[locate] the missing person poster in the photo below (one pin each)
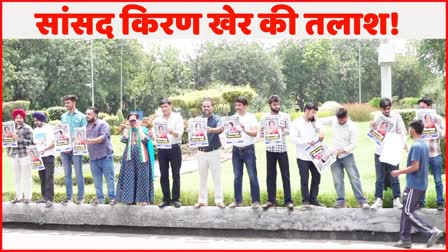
(377, 134)
(79, 142)
(232, 130)
(36, 160)
(9, 130)
(272, 131)
(161, 135)
(429, 119)
(197, 134)
(320, 155)
(62, 140)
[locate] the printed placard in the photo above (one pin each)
(232, 130)
(62, 140)
(272, 131)
(197, 135)
(79, 142)
(428, 117)
(320, 155)
(36, 160)
(161, 135)
(9, 130)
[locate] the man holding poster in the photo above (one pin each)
(209, 157)
(277, 153)
(44, 140)
(307, 131)
(384, 169)
(21, 159)
(435, 158)
(74, 119)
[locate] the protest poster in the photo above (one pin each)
(320, 155)
(161, 135)
(9, 130)
(62, 140)
(392, 149)
(36, 160)
(377, 134)
(428, 117)
(79, 142)
(272, 131)
(232, 130)
(197, 134)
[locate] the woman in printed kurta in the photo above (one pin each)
(135, 178)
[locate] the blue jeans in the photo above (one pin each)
(435, 164)
(382, 170)
(239, 158)
(100, 167)
(67, 159)
(337, 170)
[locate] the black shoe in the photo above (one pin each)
(403, 244)
(177, 204)
(317, 204)
(436, 234)
(164, 204)
(440, 206)
(268, 205)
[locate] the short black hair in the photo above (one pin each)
(341, 113)
(426, 100)
(310, 106)
(385, 102)
(72, 98)
(242, 99)
(274, 98)
(417, 125)
(132, 114)
(165, 101)
(94, 109)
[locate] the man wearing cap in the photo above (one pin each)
(44, 141)
(19, 155)
(74, 119)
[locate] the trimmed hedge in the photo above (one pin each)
(408, 102)
(8, 107)
(112, 120)
(55, 113)
(375, 102)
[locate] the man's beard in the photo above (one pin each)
(275, 110)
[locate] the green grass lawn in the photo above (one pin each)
(364, 154)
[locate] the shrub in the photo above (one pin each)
(112, 120)
(115, 130)
(359, 112)
(407, 114)
(55, 113)
(409, 102)
(8, 107)
(101, 115)
(120, 116)
(375, 102)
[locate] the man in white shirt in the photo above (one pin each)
(244, 153)
(171, 156)
(345, 137)
(305, 131)
(43, 138)
(384, 169)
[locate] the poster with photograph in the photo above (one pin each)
(36, 160)
(161, 135)
(62, 141)
(9, 130)
(272, 131)
(79, 142)
(377, 134)
(320, 155)
(428, 117)
(232, 130)
(197, 134)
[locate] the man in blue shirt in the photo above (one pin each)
(74, 119)
(416, 184)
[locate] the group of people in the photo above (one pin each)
(136, 177)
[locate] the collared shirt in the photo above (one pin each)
(344, 136)
(397, 127)
(249, 121)
(214, 142)
(103, 149)
(284, 120)
(434, 144)
(25, 134)
(74, 120)
(44, 137)
(303, 132)
(176, 123)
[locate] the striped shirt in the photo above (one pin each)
(25, 134)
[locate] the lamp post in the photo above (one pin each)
(91, 72)
(359, 70)
(121, 76)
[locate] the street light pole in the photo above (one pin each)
(91, 72)
(121, 79)
(359, 70)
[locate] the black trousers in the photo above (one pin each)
(169, 157)
(271, 175)
(305, 167)
(47, 178)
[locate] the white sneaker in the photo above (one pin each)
(378, 204)
(397, 203)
